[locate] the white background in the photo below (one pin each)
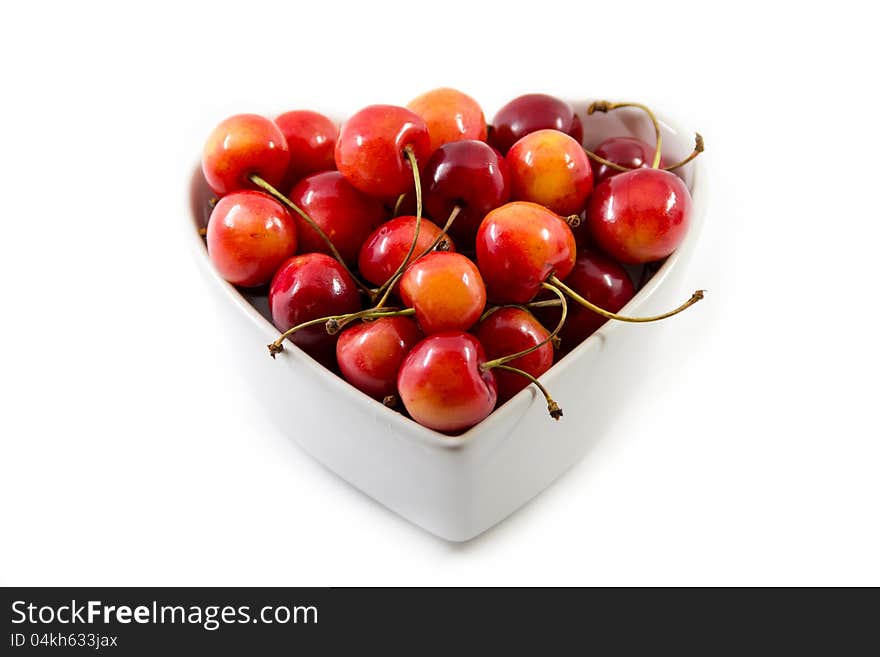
(132, 454)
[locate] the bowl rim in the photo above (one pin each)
(476, 434)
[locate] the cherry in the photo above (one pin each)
(626, 152)
(550, 168)
(377, 146)
(446, 291)
(639, 216)
(599, 279)
(369, 354)
(311, 288)
(471, 176)
(519, 246)
(311, 139)
(442, 384)
(243, 145)
(249, 235)
(450, 116)
(385, 249)
(346, 215)
(506, 331)
(530, 113)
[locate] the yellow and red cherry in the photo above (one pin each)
(240, 146)
(550, 168)
(386, 248)
(639, 216)
(510, 330)
(311, 140)
(446, 291)
(469, 175)
(308, 287)
(346, 215)
(530, 113)
(519, 246)
(598, 279)
(627, 152)
(371, 151)
(442, 385)
(249, 235)
(450, 116)
(369, 354)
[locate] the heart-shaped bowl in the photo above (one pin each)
(457, 487)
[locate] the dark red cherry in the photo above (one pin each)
(307, 287)
(598, 279)
(508, 331)
(240, 146)
(369, 354)
(442, 385)
(530, 113)
(519, 245)
(345, 214)
(628, 152)
(639, 216)
(249, 235)
(311, 139)
(471, 175)
(370, 149)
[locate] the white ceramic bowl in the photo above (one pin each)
(458, 487)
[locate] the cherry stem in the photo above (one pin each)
(387, 285)
(605, 106)
(203, 232)
(607, 163)
(397, 204)
(699, 146)
(696, 296)
(550, 338)
(552, 407)
(281, 198)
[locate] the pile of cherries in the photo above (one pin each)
(432, 259)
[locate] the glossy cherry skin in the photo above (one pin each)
(471, 175)
(446, 290)
(508, 331)
(386, 247)
(345, 214)
(598, 279)
(241, 145)
(450, 116)
(370, 149)
(311, 139)
(532, 112)
(639, 216)
(307, 287)
(441, 383)
(369, 354)
(249, 235)
(628, 152)
(550, 168)
(519, 245)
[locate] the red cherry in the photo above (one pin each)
(530, 113)
(370, 149)
(446, 290)
(519, 245)
(509, 331)
(311, 138)
(441, 383)
(598, 279)
(249, 235)
(550, 168)
(308, 287)
(386, 248)
(468, 174)
(345, 214)
(450, 116)
(370, 354)
(639, 216)
(242, 145)
(628, 152)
